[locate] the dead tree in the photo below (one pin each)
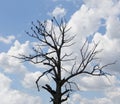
(52, 57)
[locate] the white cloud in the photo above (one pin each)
(31, 77)
(87, 21)
(84, 22)
(58, 12)
(10, 64)
(17, 97)
(111, 51)
(7, 39)
(113, 28)
(96, 83)
(4, 82)
(11, 96)
(111, 96)
(19, 48)
(99, 3)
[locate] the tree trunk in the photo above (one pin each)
(57, 98)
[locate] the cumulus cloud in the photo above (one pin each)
(58, 12)
(10, 64)
(14, 96)
(110, 96)
(4, 82)
(19, 48)
(7, 39)
(11, 96)
(93, 83)
(113, 28)
(87, 21)
(31, 77)
(110, 52)
(113, 94)
(84, 22)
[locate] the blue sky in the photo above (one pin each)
(16, 15)
(99, 19)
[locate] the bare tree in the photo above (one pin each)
(52, 57)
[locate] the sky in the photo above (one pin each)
(98, 20)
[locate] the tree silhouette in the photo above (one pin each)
(52, 38)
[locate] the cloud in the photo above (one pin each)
(96, 83)
(4, 82)
(110, 52)
(113, 94)
(86, 21)
(10, 64)
(14, 96)
(19, 48)
(77, 99)
(11, 96)
(110, 96)
(113, 27)
(31, 77)
(7, 39)
(58, 12)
